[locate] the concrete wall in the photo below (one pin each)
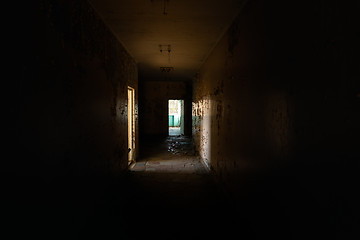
(71, 93)
(281, 91)
(66, 98)
(154, 105)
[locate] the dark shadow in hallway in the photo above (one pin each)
(172, 196)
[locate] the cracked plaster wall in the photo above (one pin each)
(72, 93)
(279, 90)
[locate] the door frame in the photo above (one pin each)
(131, 125)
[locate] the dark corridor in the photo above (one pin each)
(270, 147)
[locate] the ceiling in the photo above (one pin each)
(191, 27)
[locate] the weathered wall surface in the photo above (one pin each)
(279, 95)
(72, 93)
(154, 105)
(68, 113)
(235, 105)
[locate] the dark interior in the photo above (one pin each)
(271, 142)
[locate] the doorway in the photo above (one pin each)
(131, 125)
(176, 117)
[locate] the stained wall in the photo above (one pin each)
(71, 106)
(279, 95)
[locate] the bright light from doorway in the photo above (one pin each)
(176, 117)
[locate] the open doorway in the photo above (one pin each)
(176, 117)
(131, 125)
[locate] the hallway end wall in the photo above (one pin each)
(154, 105)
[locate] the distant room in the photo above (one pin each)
(176, 117)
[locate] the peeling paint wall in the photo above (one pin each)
(229, 101)
(154, 105)
(277, 88)
(72, 93)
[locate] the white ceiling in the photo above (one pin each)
(191, 27)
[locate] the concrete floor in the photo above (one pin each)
(174, 197)
(174, 131)
(169, 194)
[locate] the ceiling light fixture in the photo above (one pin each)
(165, 3)
(166, 69)
(164, 48)
(166, 72)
